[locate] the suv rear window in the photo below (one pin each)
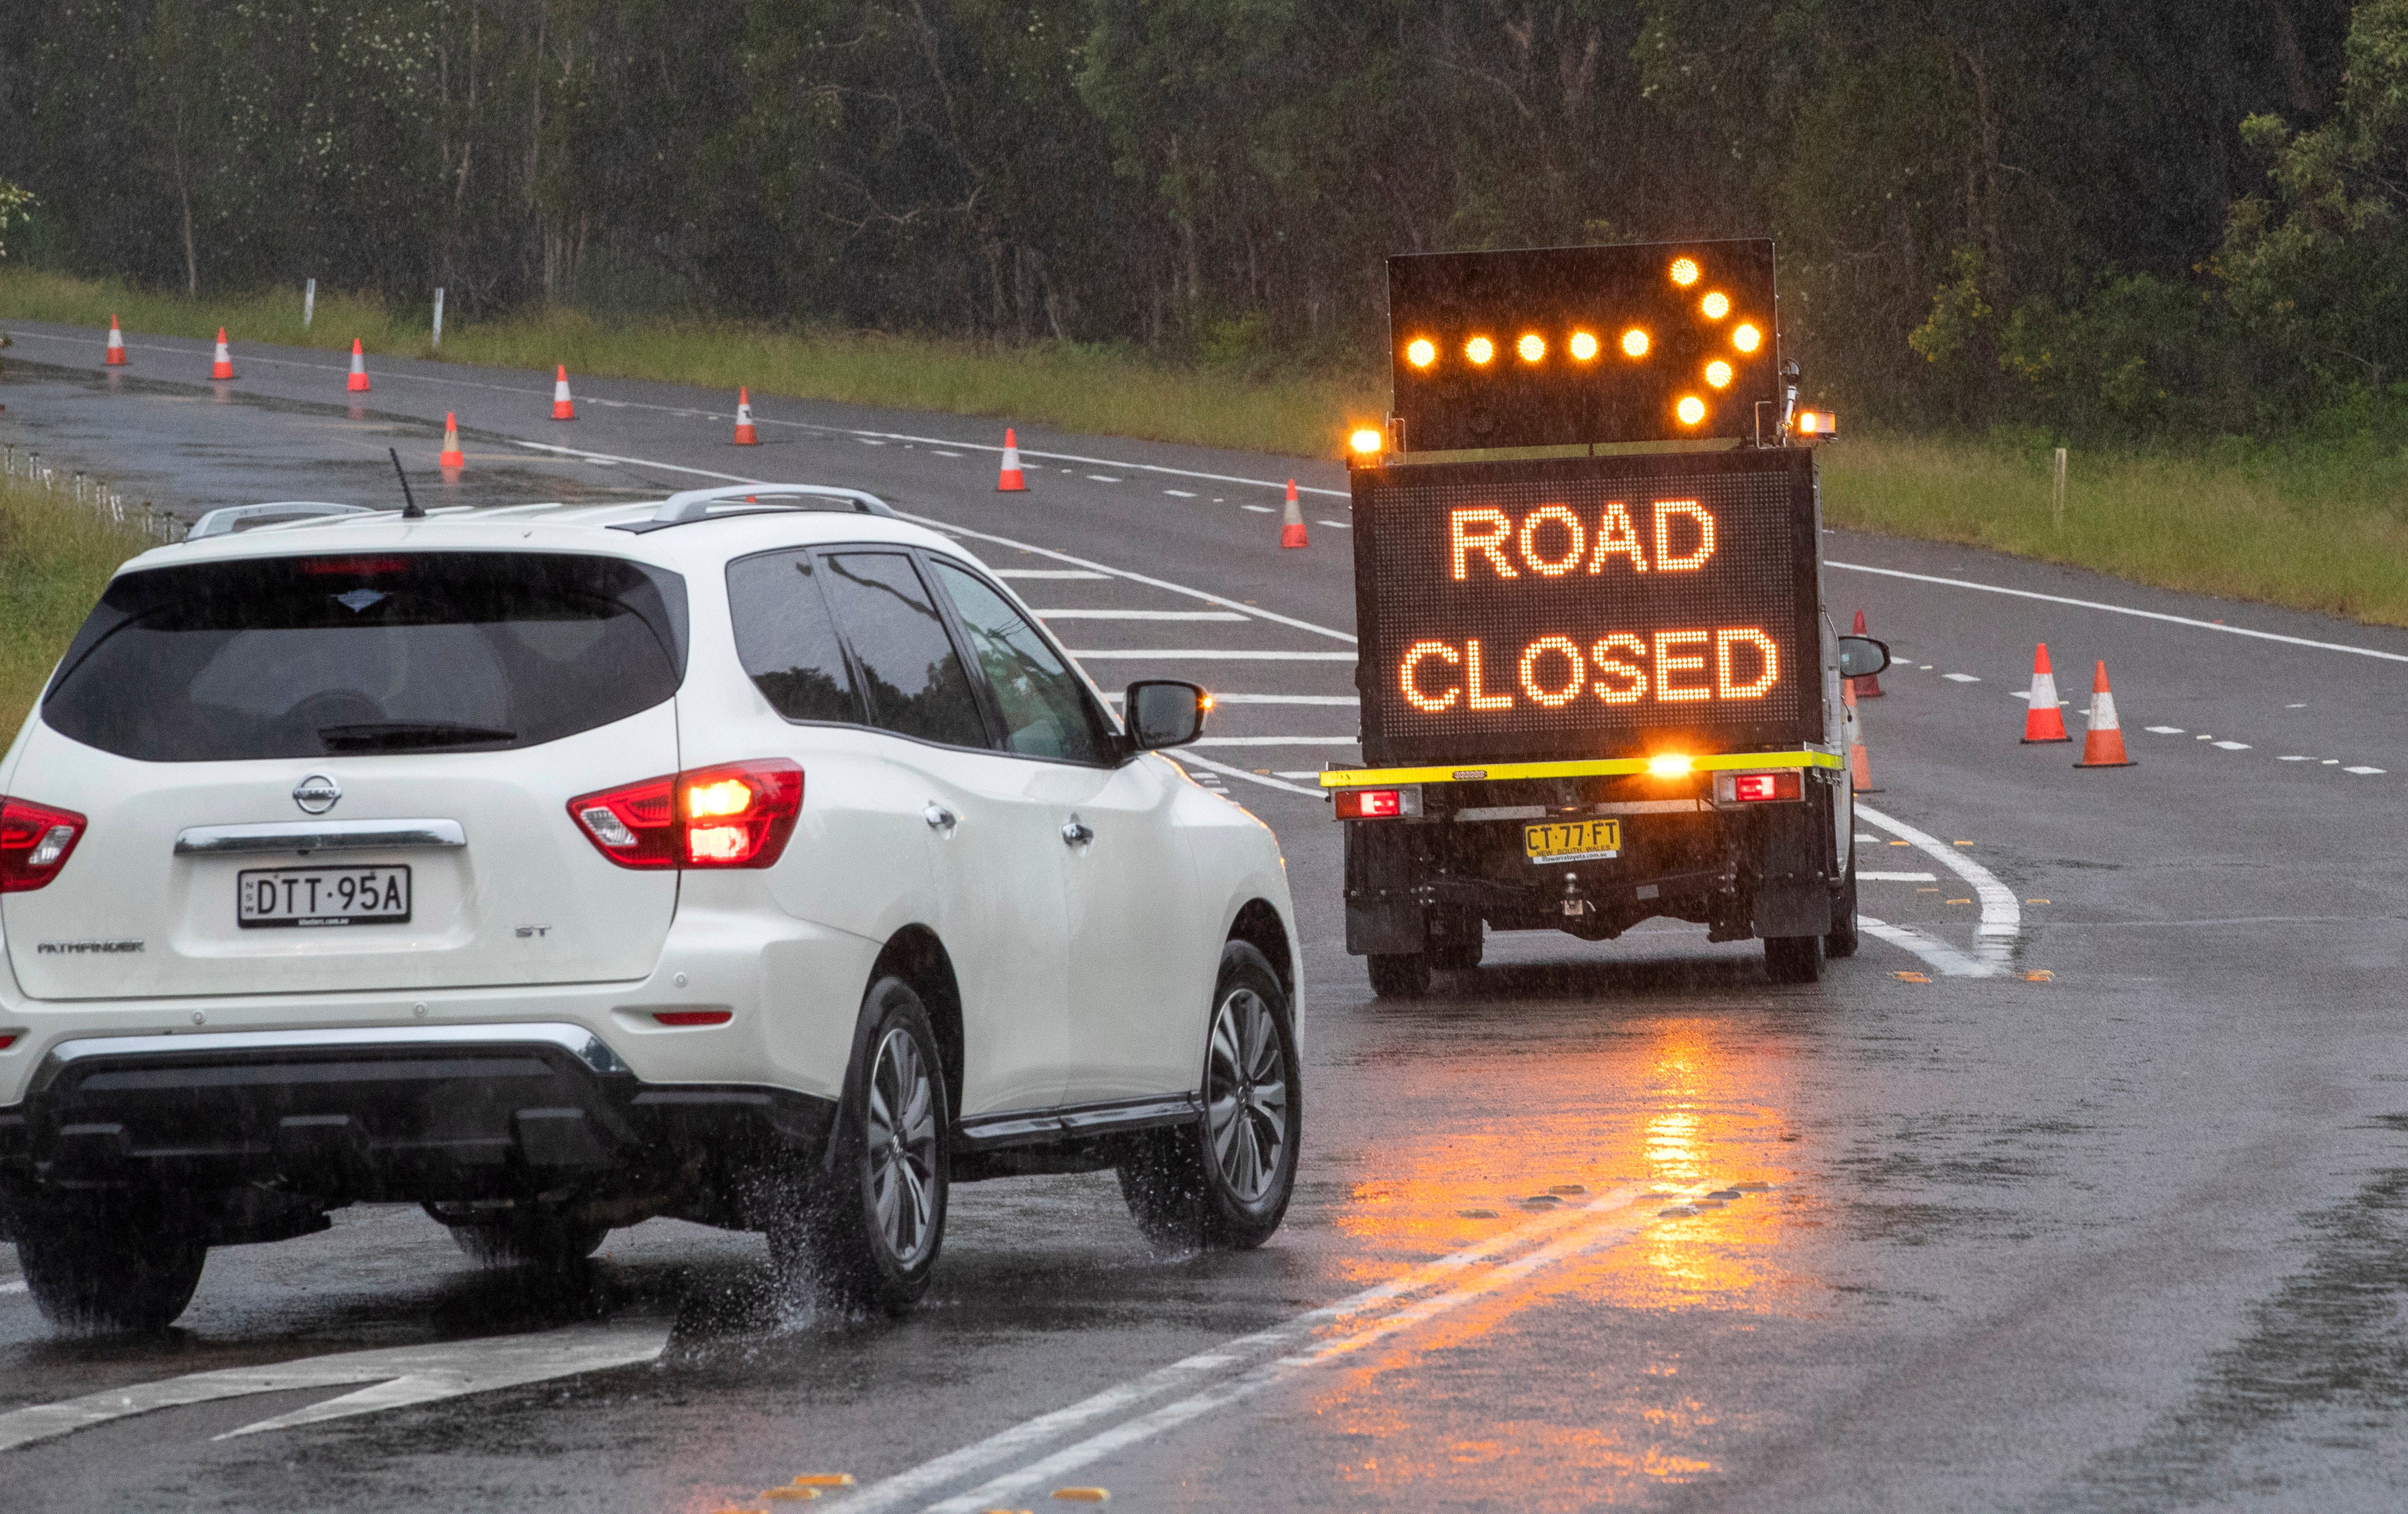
(369, 653)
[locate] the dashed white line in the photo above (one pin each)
(1258, 510)
(16, 1287)
(1181, 494)
(1963, 677)
(2232, 746)
(1101, 477)
(2165, 730)
(2363, 772)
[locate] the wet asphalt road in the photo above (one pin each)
(2127, 1237)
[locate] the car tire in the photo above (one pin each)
(870, 1228)
(100, 1265)
(1845, 937)
(1793, 959)
(547, 1242)
(1399, 975)
(1222, 1183)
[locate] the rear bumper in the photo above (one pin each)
(427, 1114)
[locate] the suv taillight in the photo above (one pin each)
(734, 815)
(36, 841)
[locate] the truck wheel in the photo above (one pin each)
(1793, 959)
(546, 1242)
(1223, 1182)
(97, 1267)
(871, 1230)
(1843, 938)
(1401, 975)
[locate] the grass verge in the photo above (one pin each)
(2317, 526)
(55, 555)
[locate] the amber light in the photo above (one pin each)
(1691, 409)
(1421, 351)
(1582, 346)
(1685, 271)
(1480, 350)
(1668, 765)
(1532, 347)
(1719, 374)
(1634, 343)
(1746, 337)
(1366, 441)
(1716, 306)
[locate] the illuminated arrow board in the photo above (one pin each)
(1587, 606)
(1559, 346)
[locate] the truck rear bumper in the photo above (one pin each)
(412, 1113)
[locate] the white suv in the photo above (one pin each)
(753, 858)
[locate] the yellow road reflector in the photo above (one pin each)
(1963, 843)
(1902, 843)
(1567, 1187)
(1910, 978)
(1475, 1214)
(2039, 975)
(825, 1480)
(1960, 901)
(1083, 1495)
(2035, 901)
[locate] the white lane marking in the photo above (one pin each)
(2362, 772)
(2294, 759)
(400, 1375)
(1966, 677)
(1258, 510)
(1307, 773)
(1894, 878)
(1135, 615)
(2001, 916)
(1249, 775)
(1339, 525)
(2123, 609)
(1051, 573)
(16, 1287)
(942, 452)
(927, 1478)
(1947, 959)
(1181, 494)
(965, 533)
(1103, 478)
(2232, 746)
(2165, 730)
(1604, 1231)
(1274, 741)
(1216, 656)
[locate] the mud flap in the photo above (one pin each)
(1383, 916)
(1793, 888)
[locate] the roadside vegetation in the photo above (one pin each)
(55, 555)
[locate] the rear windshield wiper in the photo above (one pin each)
(405, 736)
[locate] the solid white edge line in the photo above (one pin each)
(2001, 916)
(2122, 610)
(1612, 1223)
(1249, 775)
(915, 1482)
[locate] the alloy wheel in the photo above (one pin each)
(901, 1148)
(1246, 1108)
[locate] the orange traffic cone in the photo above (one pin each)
(1861, 766)
(562, 407)
(1292, 523)
(1867, 687)
(115, 356)
(223, 367)
(1009, 480)
(2105, 746)
(2044, 716)
(358, 383)
(745, 434)
(452, 457)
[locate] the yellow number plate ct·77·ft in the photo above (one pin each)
(1572, 840)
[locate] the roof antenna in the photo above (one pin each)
(409, 511)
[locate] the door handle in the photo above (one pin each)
(1076, 835)
(938, 817)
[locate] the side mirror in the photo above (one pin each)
(1861, 657)
(1165, 712)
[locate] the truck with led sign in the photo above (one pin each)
(1593, 688)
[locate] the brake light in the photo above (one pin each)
(1378, 804)
(9, 1039)
(353, 568)
(693, 1016)
(1756, 788)
(736, 815)
(36, 841)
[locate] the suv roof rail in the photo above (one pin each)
(222, 521)
(703, 503)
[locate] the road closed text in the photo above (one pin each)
(1554, 671)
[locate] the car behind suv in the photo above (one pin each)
(753, 858)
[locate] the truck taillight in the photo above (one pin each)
(1758, 788)
(1379, 803)
(36, 841)
(734, 815)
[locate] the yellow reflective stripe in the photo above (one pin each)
(1599, 767)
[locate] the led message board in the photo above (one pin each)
(1561, 345)
(1587, 606)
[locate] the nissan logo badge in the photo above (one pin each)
(316, 793)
